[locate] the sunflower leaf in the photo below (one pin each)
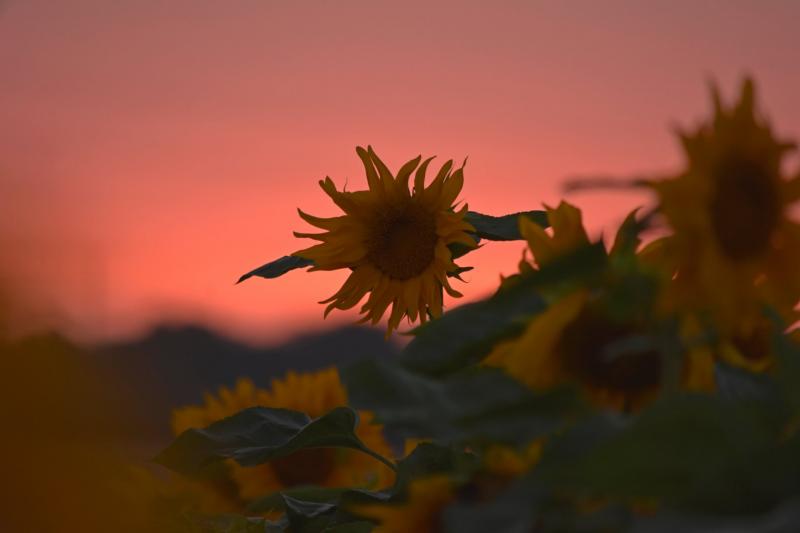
(429, 459)
(335, 495)
(787, 353)
(782, 518)
(690, 451)
(230, 523)
(514, 509)
(277, 268)
(327, 517)
(466, 334)
(259, 434)
(503, 228)
(306, 516)
(472, 406)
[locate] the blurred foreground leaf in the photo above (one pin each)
(429, 459)
(316, 509)
(787, 353)
(259, 434)
(466, 334)
(476, 405)
(334, 495)
(784, 518)
(691, 451)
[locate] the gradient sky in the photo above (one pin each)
(151, 151)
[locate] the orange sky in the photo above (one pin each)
(151, 151)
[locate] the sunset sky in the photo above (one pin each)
(151, 151)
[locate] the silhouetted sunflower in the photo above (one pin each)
(394, 241)
(734, 245)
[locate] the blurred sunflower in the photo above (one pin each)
(580, 339)
(421, 513)
(749, 344)
(312, 393)
(577, 341)
(394, 241)
(505, 461)
(734, 243)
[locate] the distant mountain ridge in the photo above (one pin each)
(175, 365)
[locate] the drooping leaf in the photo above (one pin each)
(477, 405)
(259, 434)
(503, 228)
(277, 268)
(466, 334)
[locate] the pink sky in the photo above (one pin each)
(153, 151)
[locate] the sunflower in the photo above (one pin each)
(574, 342)
(576, 339)
(312, 393)
(394, 241)
(734, 245)
(421, 513)
(749, 345)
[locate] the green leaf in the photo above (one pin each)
(466, 334)
(514, 509)
(308, 517)
(277, 268)
(738, 385)
(692, 452)
(312, 517)
(482, 404)
(230, 523)
(335, 495)
(429, 459)
(276, 502)
(358, 526)
(784, 518)
(787, 353)
(503, 228)
(259, 434)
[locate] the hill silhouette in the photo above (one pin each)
(174, 366)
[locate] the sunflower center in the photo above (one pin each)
(745, 208)
(585, 346)
(310, 466)
(756, 344)
(402, 241)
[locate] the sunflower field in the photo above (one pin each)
(648, 384)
